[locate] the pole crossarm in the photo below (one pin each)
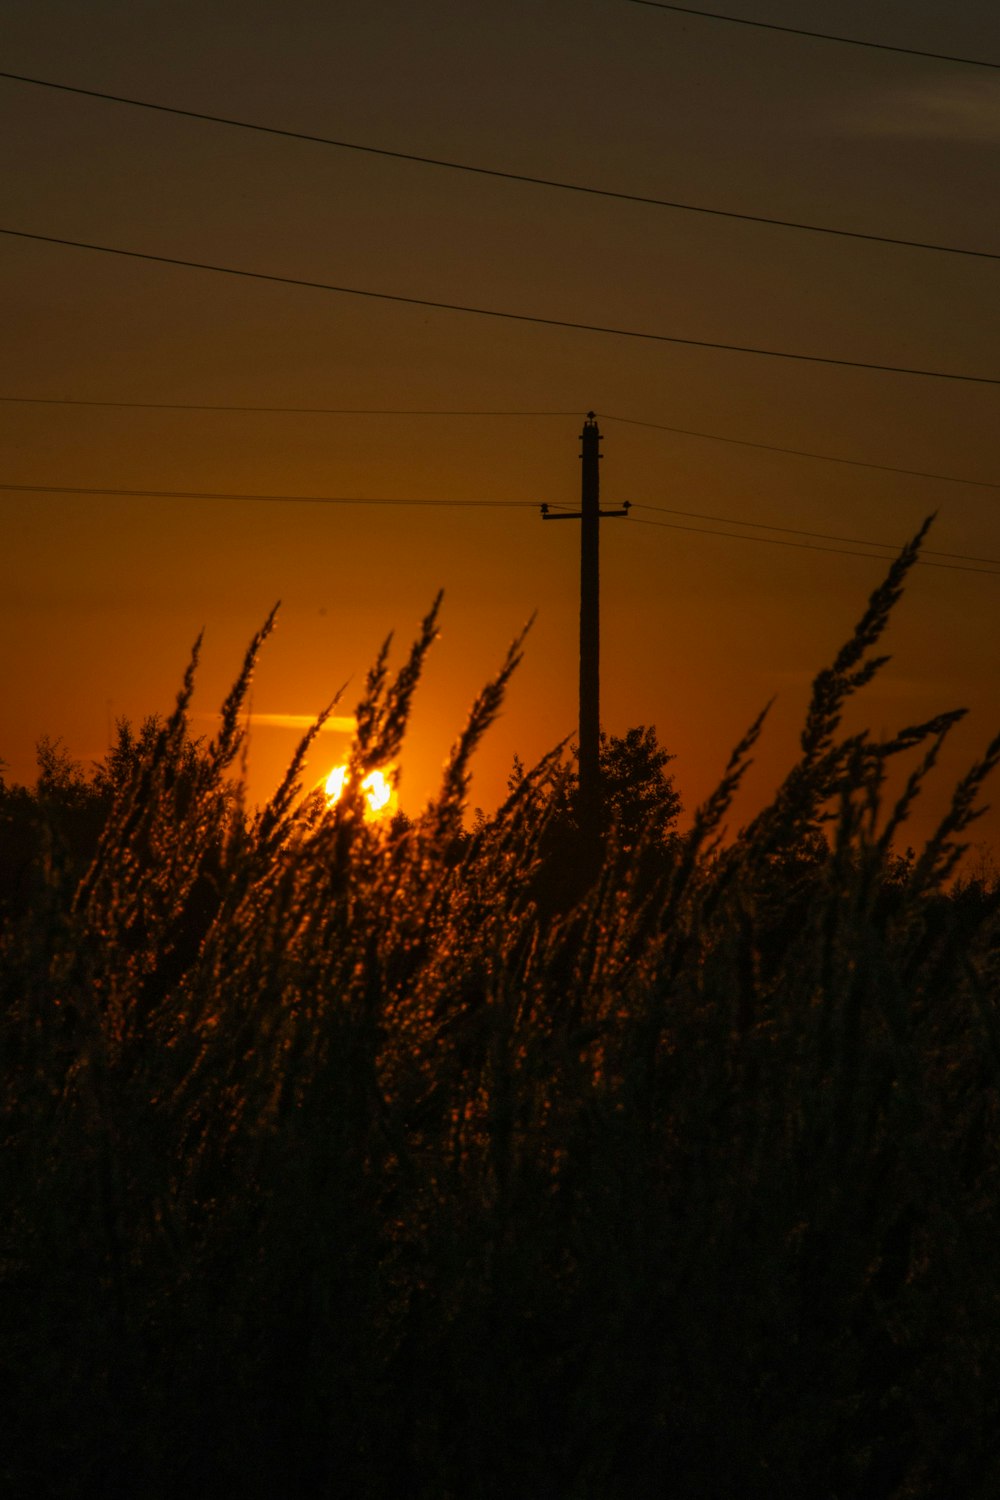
(577, 515)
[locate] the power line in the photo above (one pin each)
(491, 312)
(145, 494)
(519, 177)
(826, 536)
(142, 494)
(820, 36)
(467, 504)
(438, 411)
(830, 458)
(317, 411)
(494, 411)
(811, 546)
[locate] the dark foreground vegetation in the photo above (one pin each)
(347, 1161)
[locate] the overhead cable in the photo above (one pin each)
(468, 504)
(819, 36)
(142, 494)
(824, 536)
(315, 411)
(520, 177)
(492, 312)
(811, 546)
(829, 458)
(441, 411)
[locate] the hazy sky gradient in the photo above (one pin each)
(102, 596)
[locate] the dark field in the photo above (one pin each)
(346, 1160)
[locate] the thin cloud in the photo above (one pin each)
(335, 724)
(957, 109)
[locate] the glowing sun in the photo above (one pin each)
(379, 792)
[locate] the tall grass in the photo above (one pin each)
(336, 1164)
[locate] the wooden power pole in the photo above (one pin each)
(590, 516)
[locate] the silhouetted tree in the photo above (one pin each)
(640, 799)
(59, 815)
(641, 806)
(640, 802)
(65, 810)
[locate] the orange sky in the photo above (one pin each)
(102, 595)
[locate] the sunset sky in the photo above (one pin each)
(103, 593)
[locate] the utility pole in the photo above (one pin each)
(590, 516)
